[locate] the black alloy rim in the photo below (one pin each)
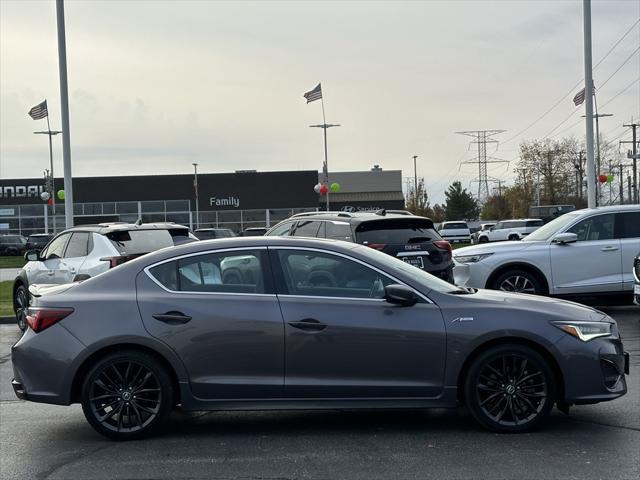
(22, 304)
(125, 396)
(511, 390)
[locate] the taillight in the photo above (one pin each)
(377, 246)
(40, 318)
(119, 260)
(444, 245)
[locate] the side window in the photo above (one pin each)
(78, 246)
(339, 231)
(307, 228)
(598, 227)
(534, 223)
(628, 225)
(56, 248)
(318, 274)
(282, 231)
(498, 226)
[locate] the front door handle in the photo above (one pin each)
(609, 248)
(308, 325)
(172, 318)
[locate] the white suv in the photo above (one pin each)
(582, 253)
(509, 230)
(455, 232)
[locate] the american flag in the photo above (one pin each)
(313, 95)
(578, 99)
(39, 111)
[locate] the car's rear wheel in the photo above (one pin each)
(509, 388)
(518, 281)
(127, 395)
(514, 237)
(20, 306)
(483, 240)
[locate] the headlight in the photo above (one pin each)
(585, 331)
(472, 258)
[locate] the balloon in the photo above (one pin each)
(323, 190)
(45, 196)
(61, 194)
(602, 178)
(609, 178)
(335, 187)
(317, 188)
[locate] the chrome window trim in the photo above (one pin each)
(205, 252)
(357, 260)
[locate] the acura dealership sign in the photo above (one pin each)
(21, 191)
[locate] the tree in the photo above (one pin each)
(439, 213)
(460, 204)
(418, 202)
(496, 207)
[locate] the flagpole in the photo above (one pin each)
(326, 158)
(588, 87)
(53, 188)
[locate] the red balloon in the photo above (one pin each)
(323, 190)
(602, 178)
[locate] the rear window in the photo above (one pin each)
(454, 226)
(136, 242)
(397, 231)
(209, 234)
(535, 223)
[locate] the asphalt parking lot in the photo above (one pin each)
(599, 441)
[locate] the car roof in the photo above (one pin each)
(211, 229)
(103, 228)
(356, 217)
(607, 209)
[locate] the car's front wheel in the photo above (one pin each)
(509, 388)
(127, 395)
(518, 281)
(21, 305)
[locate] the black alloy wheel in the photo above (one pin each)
(509, 389)
(126, 395)
(20, 306)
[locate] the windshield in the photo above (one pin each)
(550, 229)
(393, 264)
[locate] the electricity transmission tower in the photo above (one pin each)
(482, 137)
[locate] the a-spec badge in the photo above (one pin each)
(462, 319)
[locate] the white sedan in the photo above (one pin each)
(585, 252)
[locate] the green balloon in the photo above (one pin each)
(609, 178)
(335, 187)
(61, 194)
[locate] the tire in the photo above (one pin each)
(114, 385)
(483, 240)
(509, 389)
(514, 238)
(518, 281)
(20, 306)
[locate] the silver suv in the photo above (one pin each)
(85, 251)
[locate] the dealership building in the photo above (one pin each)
(228, 200)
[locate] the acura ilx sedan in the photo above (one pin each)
(295, 323)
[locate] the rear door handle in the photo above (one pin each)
(172, 318)
(308, 325)
(609, 248)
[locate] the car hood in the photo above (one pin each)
(495, 247)
(562, 309)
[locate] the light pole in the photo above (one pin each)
(588, 97)
(325, 167)
(415, 185)
(51, 133)
(195, 190)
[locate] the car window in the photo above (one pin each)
(598, 227)
(498, 226)
(535, 223)
(397, 231)
(628, 225)
(78, 246)
(339, 231)
(307, 228)
(455, 226)
(317, 274)
(282, 230)
(56, 248)
(223, 272)
(137, 242)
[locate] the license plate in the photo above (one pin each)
(415, 261)
(636, 289)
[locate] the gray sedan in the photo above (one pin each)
(293, 323)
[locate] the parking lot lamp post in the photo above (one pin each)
(51, 133)
(195, 191)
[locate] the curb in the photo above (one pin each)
(7, 320)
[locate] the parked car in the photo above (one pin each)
(86, 251)
(636, 277)
(212, 233)
(38, 241)
(254, 232)
(411, 238)
(483, 227)
(509, 230)
(580, 254)
(12, 245)
(455, 231)
(134, 342)
(549, 212)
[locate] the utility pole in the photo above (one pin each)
(195, 191)
(415, 184)
(579, 172)
(621, 184)
(588, 88)
(634, 156)
(482, 137)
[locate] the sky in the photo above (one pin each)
(155, 86)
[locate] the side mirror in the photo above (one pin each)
(400, 295)
(32, 255)
(491, 229)
(564, 238)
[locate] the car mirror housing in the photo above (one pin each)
(32, 255)
(564, 238)
(400, 295)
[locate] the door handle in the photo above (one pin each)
(308, 325)
(609, 248)
(72, 270)
(172, 318)
(49, 272)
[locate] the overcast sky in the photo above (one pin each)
(157, 85)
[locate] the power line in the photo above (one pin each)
(618, 69)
